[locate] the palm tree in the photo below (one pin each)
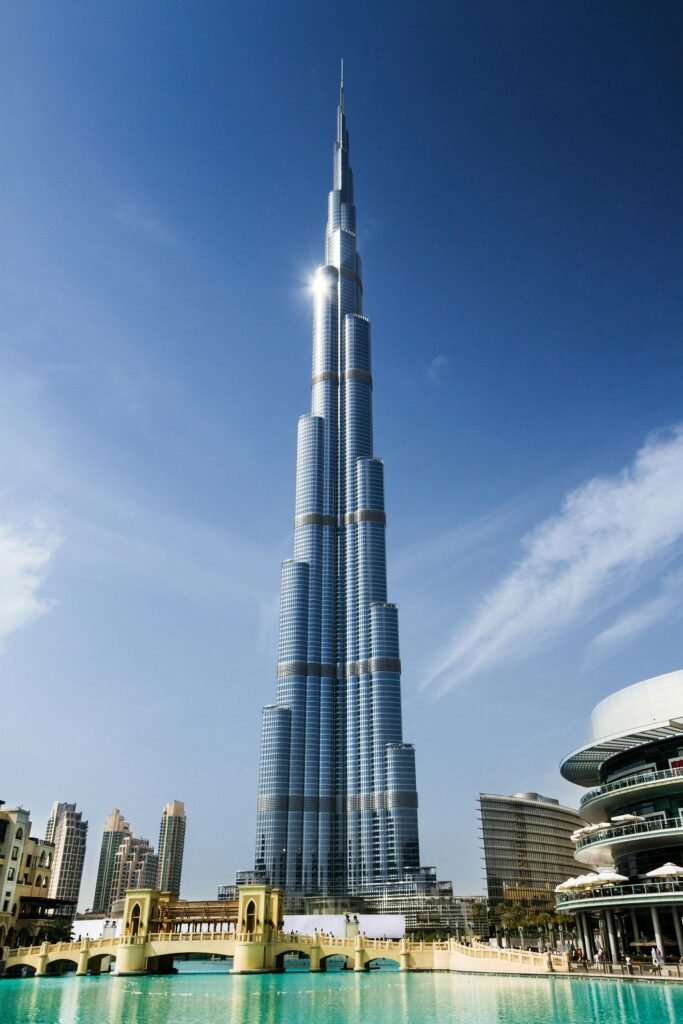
(546, 922)
(511, 917)
(479, 909)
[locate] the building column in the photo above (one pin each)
(588, 931)
(612, 935)
(676, 911)
(83, 957)
(578, 928)
(657, 928)
(581, 931)
(602, 928)
(634, 923)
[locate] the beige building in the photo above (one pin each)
(135, 867)
(68, 832)
(26, 866)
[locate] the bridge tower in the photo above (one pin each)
(140, 910)
(259, 919)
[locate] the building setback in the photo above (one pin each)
(337, 800)
(67, 831)
(171, 846)
(527, 849)
(116, 828)
(135, 867)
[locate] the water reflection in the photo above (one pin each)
(335, 998)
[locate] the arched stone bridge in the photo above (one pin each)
(149, 945)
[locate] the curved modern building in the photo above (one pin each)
(633, 769)
(337, 801)
(527, 849)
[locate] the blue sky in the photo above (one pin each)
(165, 168)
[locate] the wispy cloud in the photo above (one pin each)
(438, 368)
(146, 222)
(637, 620)
(610, 533)
(25, 556)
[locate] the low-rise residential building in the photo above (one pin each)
(26, 865)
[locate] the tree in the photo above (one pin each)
(546, 922)
(58, 930)
(514, 916)
(479, 911)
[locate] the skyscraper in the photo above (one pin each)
(171, 846)
(135, 867)
(68, 832)
(337, 803)
(116, 828)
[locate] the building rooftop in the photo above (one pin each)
(639, 714)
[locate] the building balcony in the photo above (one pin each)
(647, 834)
(639, 893)
(604, 799)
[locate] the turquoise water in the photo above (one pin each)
(382, 997)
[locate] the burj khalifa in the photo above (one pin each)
(337, 799)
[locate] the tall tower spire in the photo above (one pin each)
(337, 805)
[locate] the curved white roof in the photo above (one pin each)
(638, 714)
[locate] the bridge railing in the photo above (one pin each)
(66, 947)
(519, 956)
(191, 937)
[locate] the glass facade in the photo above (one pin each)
(171, 847)
(337, 804)
(116, 828)
(527, 849)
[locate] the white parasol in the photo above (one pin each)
(607, 876)
(667, 870)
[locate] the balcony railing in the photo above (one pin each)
(629, 782)
(636, 829)
(612, 891)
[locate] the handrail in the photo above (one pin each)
(610, 891)
(635, 829)
(326, 945)
(629, 781)
(509, 955)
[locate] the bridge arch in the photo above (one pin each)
(20, 971)
(291, 951)
(96, 963)
(338, 955)
(61, 965)
(384, 958)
